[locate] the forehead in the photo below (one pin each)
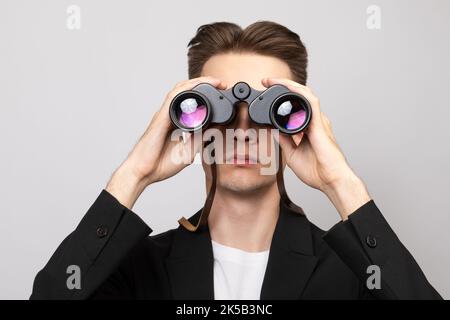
(248, 67)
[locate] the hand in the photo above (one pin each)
(151, 158)
(316, 159)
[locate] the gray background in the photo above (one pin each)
(73, 103)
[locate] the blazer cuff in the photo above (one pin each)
(350, 244)
(366, 232)
(108, 220)
(365, 239)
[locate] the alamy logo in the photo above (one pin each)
(74, 279)
(374, 280)
(374, 17)
(73, 21)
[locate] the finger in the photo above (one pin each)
(326, 121)
(267, 82)
(297, 138)
(191, 144)
(191, 83)
(219, 84)
(328, 127)
(286, 143)
(204, 79)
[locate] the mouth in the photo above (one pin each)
(242, 160)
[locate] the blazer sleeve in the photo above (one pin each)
(92, 252)
(366, 239)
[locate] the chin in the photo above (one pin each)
(237, 178)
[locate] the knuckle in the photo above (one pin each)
(199, 79)
(170, 95)
(315, 100)
(179, 84)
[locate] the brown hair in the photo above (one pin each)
(262, 37)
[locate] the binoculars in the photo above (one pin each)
(205, 105)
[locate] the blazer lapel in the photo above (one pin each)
(190, 263)
(291, 258)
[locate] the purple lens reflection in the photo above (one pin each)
(296, 120)
(191, 112)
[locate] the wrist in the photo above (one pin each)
(126, 186)
(347, 194)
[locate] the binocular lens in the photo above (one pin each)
(290, 114)
(191, 112)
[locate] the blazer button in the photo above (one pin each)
(371, 241)
(102, 231)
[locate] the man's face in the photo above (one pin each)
(240, 173)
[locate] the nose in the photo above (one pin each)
(241, 121)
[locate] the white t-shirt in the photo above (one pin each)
(238, 274)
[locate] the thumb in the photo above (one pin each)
(191, 144)
(286, 143)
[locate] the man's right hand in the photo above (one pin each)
(150, 160)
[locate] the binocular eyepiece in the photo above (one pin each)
(276, 106)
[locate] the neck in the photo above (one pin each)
(244, 220)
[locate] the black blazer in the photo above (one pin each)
(118, 259)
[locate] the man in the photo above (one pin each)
(253, 246)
